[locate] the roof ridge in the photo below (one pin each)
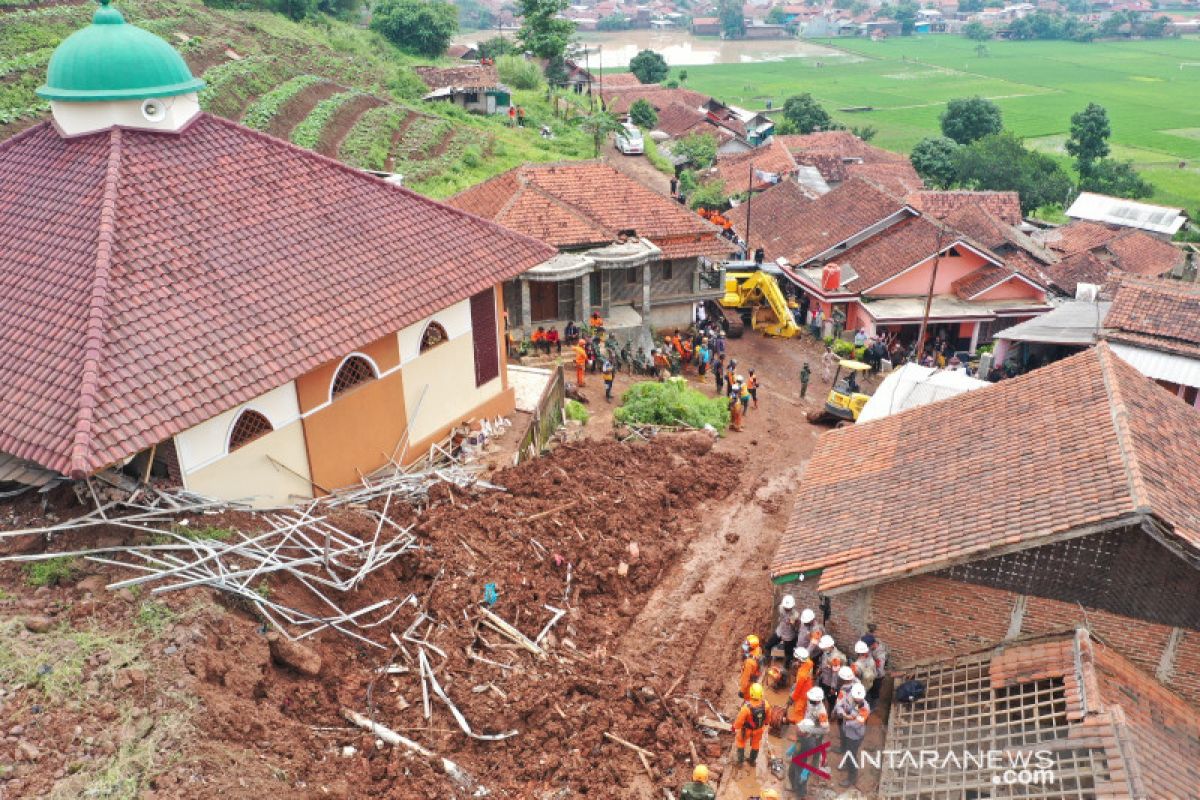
(572, 208)
(97, 313)
(1120, 420)
(361, 175)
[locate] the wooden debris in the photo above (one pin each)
(715, 724)
(503, 628)
(639, 750)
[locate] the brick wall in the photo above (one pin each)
(931, 617)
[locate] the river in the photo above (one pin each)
(681, 49)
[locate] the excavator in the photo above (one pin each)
(756, 298)
(845, 401)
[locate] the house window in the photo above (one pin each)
(667, 271)
(249, 425)
(434, 335)
(471, 97)
(484, 336)
(354, 371)
(631, 275)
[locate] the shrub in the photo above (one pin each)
(51, 571)
(519, 73)
(577, 412)
(671, 403)
(843, 349)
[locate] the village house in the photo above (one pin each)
(864, 258)
(752, 170)
(840, 155)
(1092, 252)
(1104, 726)
(1062, 498)
(475, 88)
(1161, 221)
(258, 322)
(1155, 325)
(637, 257)
(706, 26)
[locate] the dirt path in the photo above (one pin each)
(637, 167)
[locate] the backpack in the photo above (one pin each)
(910, 691)
(758, 716)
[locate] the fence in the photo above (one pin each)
(547, 417)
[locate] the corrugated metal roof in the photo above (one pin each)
(1118, 211)
(1074, 322)
(1158, 365)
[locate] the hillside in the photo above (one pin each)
(335, 88)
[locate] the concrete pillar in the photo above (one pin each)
(646, 294)
(1000, 352)
(526, 306)
(975, 336)
(585, 297)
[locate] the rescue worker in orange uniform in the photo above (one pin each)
(581, 360)
(751, 724)
(798, 701)
(751, 665)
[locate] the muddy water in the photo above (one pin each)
(681, 49)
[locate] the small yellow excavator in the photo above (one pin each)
(845, 402)
(757, 295)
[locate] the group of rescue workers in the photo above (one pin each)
(828, 692)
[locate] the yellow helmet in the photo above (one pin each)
(700, 774)
(769, 794)
(752, 640)
(756, 691)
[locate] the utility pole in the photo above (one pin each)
(749, 194)
(937, 257)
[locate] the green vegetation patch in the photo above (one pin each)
(671, 403)
(369, 141)
(308, 132)
(53, 662)
(51, 571)
(260, 114)
(577, 411)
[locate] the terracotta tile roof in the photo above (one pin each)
(1159, 313)
(798, 228)
(619, 100)
(734, 170)
(1141, 739)
(1019, 251)
(678, 120)
(588, 203)
(459, 77)
(154, 280)
(1094, 439)
(1005, 206)
(897, 177)
(1078, 237)
(1139, 253)
(980, 280)
(895, 249)
(1130, 251)
(616, 80)
(1077, 268)
(842, 144)
(770, 211)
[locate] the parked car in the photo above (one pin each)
(629, 140)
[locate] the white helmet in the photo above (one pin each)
(860, 647)
(826, 642)
(788, 603)
(800, 653)
(740, 379)
(846, 674)
(806, 725)
(807, 616)
(858, 691)
(816, 694)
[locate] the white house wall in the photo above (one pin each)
(207, 442)
(456, 320)
(448, 371)
(269, 471)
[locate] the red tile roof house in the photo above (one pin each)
(1092, 252)
(475, 88)
(633, 254)
(1065, 497)
(886, 252)
(265, 321)
(1082, 720)
(1154, 324)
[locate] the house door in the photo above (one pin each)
(543, 301)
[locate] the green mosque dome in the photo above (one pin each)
(112, 60)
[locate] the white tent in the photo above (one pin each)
(913, 385)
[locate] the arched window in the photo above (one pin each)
(355, 370)
(434, 335)
(249, 426)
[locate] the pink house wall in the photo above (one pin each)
(916, 281)
(1013, 289)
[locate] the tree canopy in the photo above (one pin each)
(1088, 141)
(1116, 178)
(649, 67)
(543, 32)
(1000, 162)
(805, 115)
(424, 27)
(967, 119)
(642, 114)
(733, 20)
(699, 149)
(934, 160)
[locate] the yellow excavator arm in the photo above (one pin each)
(756, 290)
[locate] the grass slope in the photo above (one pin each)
(1038, 85)
(272, 60)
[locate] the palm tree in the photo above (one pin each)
(599, 125)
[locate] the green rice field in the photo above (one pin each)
(1150, 88)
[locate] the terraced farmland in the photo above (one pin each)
(327, 86)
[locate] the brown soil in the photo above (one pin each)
(200, 61)
(299, 107)
(342, 122)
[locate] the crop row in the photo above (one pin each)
(369, 142)
(264, 109)
(308, 132)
